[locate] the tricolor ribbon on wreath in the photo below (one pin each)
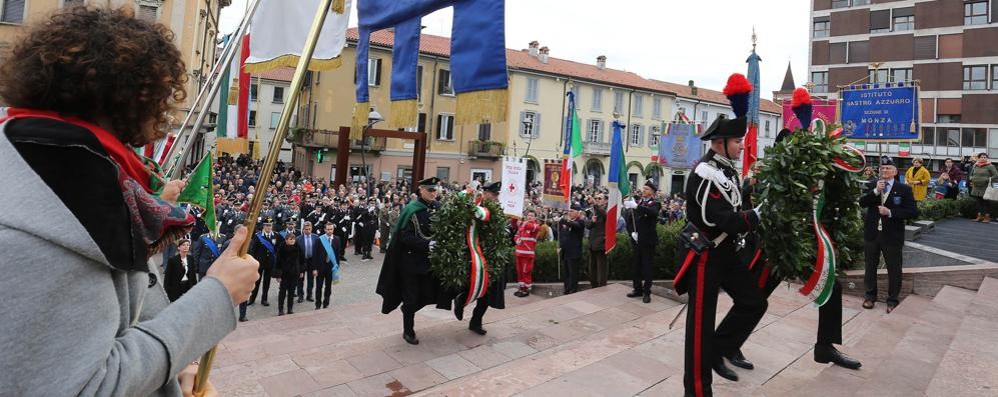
(479, 279)
(819, 286)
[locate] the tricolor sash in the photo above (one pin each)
(268, 245)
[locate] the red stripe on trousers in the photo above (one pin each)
(698, 327)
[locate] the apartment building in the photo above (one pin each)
(947, 46)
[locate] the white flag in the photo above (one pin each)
(514, 189)
(279, 29)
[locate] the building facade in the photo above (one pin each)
(947, 46)
(535, 130)
(194, 24)
(268, 93)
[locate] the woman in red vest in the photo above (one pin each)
(526, 241)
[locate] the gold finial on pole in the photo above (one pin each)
(755, 38)
(809, 85)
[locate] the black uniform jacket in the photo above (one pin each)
(900, 201)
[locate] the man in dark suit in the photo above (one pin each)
(645, 213)
(571, 230)
(888, 204)
(263, 248)
(323, 271)
(312, 257)
(596, 223)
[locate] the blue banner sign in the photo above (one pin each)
(887, 113)
(679, 146)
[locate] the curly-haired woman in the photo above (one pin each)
(85, 311)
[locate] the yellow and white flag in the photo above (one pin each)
(279, 29)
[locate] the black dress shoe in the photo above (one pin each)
(265, 303)
(647, 298)
(738, 359)
(290, 312)
(309, 299)
(635, 294)
(828, 354)
(410, 339)
(243, 319)
(727, 373)
(478, 330)
(299, 299)
(325, 306)
(519, 294)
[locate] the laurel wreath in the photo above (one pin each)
(451, 260)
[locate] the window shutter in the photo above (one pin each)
(442, 84)
(859, 51)
(880, 19)
(523, 129)
(904, 12)
(450, 127)
(925, 47)
(377, 74)
(537, 125)
(440, 123)
(146, 13)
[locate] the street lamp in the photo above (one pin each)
(372, 118)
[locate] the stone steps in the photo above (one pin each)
(598, 342)
(968, 367)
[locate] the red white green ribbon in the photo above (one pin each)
(479, 283)
(819, 286)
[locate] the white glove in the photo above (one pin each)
(346, 218)
(433, 244)
(630, 204)
(634, 235)
(758, 211)
(360, 224)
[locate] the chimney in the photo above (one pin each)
(532, 50)
(544, 54)
(693, 88)
(601, 62)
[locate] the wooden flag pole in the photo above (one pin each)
(200, 381)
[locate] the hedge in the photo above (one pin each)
(619, 261)
(937, 209)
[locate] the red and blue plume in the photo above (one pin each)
(802, 107)
(737, 90)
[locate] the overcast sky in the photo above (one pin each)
(675, 41)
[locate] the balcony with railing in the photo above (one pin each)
(488, 149)
(596, 148)
(330, 139)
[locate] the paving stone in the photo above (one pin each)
(290, 383)
(374, 363)
(453, 366)
(417, 377)
(485, 357)
(335, 373)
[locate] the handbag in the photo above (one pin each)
(991, 193)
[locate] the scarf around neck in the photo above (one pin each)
(982, 163)
(153, 220)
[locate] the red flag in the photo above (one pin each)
(242, 128)
(751, 148)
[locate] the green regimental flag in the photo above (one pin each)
(200, 192)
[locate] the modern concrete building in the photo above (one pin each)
(948, 46)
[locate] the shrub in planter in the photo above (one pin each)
(619, 262)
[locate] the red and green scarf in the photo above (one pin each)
(153, 220)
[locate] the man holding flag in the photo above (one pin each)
(609, 208)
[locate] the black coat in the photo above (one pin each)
(324, 265)
(570, 236)
(173, 276)
(597, 229)
(902, 204)
(260, 252)
(409, 256)
(646, 219)
(289, 264)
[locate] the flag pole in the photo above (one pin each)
(270, 163)
(208, 94)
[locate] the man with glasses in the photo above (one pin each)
(888, 204)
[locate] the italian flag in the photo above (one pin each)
(573, 147)
(619, 186)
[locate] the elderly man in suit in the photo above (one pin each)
(888, 204)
